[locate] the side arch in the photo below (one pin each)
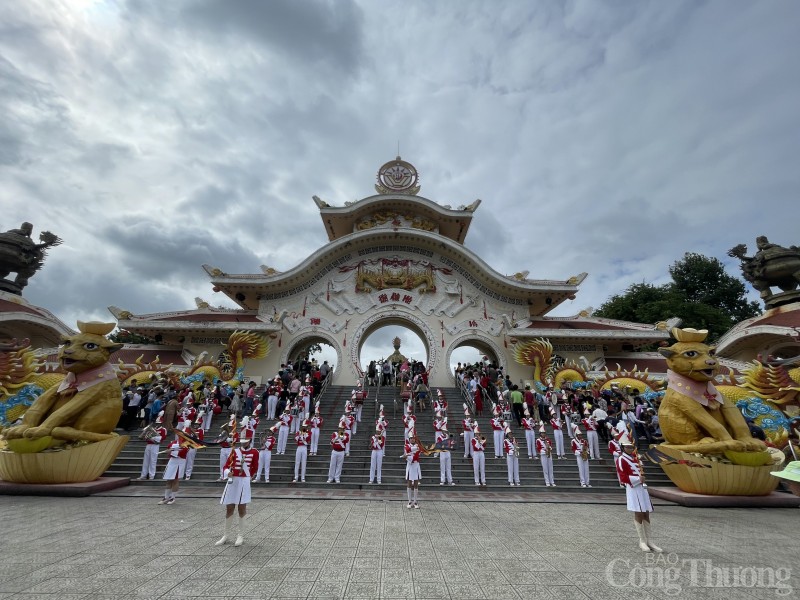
(483, 343)
(310, 335)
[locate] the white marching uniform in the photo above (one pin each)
(636, 494)
(478, 461)
(283, 432)
(316, 426)
(301, 455)
(176, 466)
(583, 465)
(445, 460)
(338, 445)
(151, 453)
(377, 444)
(530, 435)
(413, 470)
(238, 468)
(265, 459)
(512, 461)
(497, 431)
(543, 447)
(468, 435)
(558, 437)
(592, 438)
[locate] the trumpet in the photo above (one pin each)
(584, 452)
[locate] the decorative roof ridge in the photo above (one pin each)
(218, 276)
(599, 320)
(125, 315)
(352, 206)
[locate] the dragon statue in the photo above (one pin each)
(769, 395)
(22, 379)
(229, 366)
(539, 354)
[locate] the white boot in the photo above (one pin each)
(239, 528)
(652, 546)
(642, 540)
(224, 538)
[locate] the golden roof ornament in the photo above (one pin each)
(398, 177)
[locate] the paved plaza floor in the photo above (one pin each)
(114, 546)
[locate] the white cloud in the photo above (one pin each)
(602, 137)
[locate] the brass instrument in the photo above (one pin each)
(149, 432)
(548, 449)
(584, 450)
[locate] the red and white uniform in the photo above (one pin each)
(265, 458)
(176, 466)
(529, 425)
(498, 425)
(283, 433)
(192, 454)
(151, 453)
(558, 436)
(224, 453)
(303, 440)
(338, 445)
(248, 432)
(273, 392)
(410, 421)
(466, 425)
(347, 421)
(239, 469)
(315, 423)
(442, 437)
(478, 461)
(578, 445)
(439, 424)
(591, 436)
(413, 470)
(543, 447)
(630, 474)
(512, 461)
(377, 443)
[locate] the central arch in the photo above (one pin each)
(392, 316)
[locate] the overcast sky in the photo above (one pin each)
(606, 137)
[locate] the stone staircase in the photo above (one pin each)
(355, 474)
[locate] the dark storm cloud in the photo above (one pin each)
(170, 252)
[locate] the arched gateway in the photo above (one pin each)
(394, 258)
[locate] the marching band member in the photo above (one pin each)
(614, 448)
(197, 433)
(381, 424)
(411, 453)
(273, 391)
(467, 426)
(316, 426)
(529, 425)
(409, 420)
(568, 420)
(631, 473)
(478, 459)
(498, 426)
(580, 448)
(248, 431)
(283, 433)
(558, 435)
(258, 411)
(347, 421)
(241, 464)
(306, 391)
(377, 444)
(439, 422)
(303, 439)
(591, 437)
(339, 442)
(358, 397)
(512, 457)
(295, 412)
(152, 437)
(441, 400)
(175, 469)
(545, 451)
(228, 435)
(207, 410)
(443, 440)
(265, 455)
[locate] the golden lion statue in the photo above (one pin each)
(694, 416)
(87, 404)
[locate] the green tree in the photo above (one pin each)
(701, 293)
(123, 336)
